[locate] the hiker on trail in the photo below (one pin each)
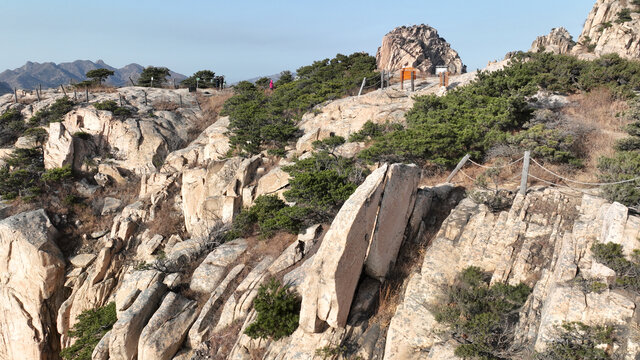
(271, 84)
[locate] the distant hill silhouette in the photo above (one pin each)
(50, 75)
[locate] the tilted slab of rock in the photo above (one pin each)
(164, 333)
(395, 209)
(239, 304)
(203, 326)
(31, 280)
(211, 271)
(417, 46)
(125, 334)
(544, 241)
(333, 277)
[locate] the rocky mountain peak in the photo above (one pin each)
(559, 41)
(419, 46)
(613, 26)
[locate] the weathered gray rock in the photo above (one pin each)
(331, 282)
(163, 335)
(82, 260)
(111, 205)
(31, 279)
(417, 46)
(212, 270)
(395, 209)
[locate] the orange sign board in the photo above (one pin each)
(407, 73)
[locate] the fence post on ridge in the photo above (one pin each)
(362, 86)
(458, 167)
(525, 173)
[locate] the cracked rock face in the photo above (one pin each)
(559, 41)
(418, 46)
(31, 279)
(604, 34)
(544, 241)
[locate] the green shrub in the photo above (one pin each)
(577, 341)
(481, 314)
(57, 174)
(208, 79)
(40, 133)
(371, 130)
(110, 105)
(158, 74)
(624, 165)
(99, 75)
(91, 326)
(278, 312)
(473, 118)
(258, 121)
(624, 16)
(329, 144)
(20, 176)
(548, 144)
(82, 135)
(54, 113)
(331, 352)
(268, 215)
(11, 126)
(107, 105)
(627, 272)
(323, 182)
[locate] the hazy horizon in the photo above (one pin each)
(249, 39)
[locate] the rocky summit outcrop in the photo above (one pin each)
(559, 41)
(31, 280)
(417, 46)
(613, 26)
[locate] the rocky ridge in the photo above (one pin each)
(191, 296)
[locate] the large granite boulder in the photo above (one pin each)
(417, 46)
(332, 279)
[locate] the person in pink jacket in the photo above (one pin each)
(271, 84)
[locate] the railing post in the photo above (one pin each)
(15, 94)
(525, 173)
(362, 86)
(458, 167)
(382, 79)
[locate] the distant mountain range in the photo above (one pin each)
(49, 74)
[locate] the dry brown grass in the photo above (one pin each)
(221, 343)
(165, 105)
(168, 221)
(211, 107)
(601, 113)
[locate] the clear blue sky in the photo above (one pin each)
(244, 39)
